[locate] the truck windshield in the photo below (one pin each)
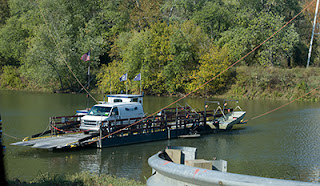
(99, 111)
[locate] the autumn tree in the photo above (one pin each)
(212, 63)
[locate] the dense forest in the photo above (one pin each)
(176, 45)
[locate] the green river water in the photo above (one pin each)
(283, 144)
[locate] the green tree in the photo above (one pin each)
(182, 10)
(145, 13)
(242, 40)
(4, 11)
(214, 18)
(45, 36)
(13, 42)
(10, 78)
(164, 54)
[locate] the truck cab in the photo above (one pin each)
(118, 107)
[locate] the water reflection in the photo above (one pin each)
(284, 144)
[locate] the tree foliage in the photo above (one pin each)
(211, 64)
(10, 78)
(164, 54)
(175, 44)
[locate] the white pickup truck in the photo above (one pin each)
(118, 107)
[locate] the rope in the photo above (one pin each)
(60, 52)
(62, 130)
(67, 131)
(11, 136)
(215, 78)
(284, 104)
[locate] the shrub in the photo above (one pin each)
(10, 78)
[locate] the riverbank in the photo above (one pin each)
(83, 178)
(268, 83)
(275, 83)
(245, 82)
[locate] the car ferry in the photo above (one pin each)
(121, 121)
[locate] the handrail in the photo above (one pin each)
(224, 116)
(238, 107)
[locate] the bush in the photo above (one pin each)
(10, 78)
(79, 179)
(275, 83)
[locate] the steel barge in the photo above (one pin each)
(115, 123)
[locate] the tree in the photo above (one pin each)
(13, 42)
(145, 13)
(214, 18)
(180, 11)
(275, 51)
(4, 11)
(48, 37)
(213, 61)
(164, 54)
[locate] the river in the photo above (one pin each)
(283, 144)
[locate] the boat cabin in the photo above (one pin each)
(126, 98)
(119, 107)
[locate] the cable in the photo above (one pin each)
(63, 58)
(284, 104)
(11, 136)
(216, 77)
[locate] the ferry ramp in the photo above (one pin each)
(55, 142)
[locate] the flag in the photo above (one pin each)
(86, 56)
(137, 78)
(123, 77)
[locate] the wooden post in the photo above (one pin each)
(0, 131)
(100, 133)
(2, 171)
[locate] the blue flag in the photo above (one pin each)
(123, 77)
(137, 78)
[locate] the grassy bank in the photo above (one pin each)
(83, 178)
(246, 82)
(275, 83)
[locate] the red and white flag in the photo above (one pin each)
(86, 56)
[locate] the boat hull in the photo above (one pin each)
(150, 137)
(230, 120)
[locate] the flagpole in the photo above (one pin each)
(86, 57)
(110, 81)
(127, 84)
(88, 101)
(140, 82)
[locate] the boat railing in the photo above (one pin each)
(147, 125)
(221, 112)
(62, 124)
(238, 107)
(192, 109)
(133, 126)
(181, 117)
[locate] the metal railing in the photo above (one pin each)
(165, 172)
